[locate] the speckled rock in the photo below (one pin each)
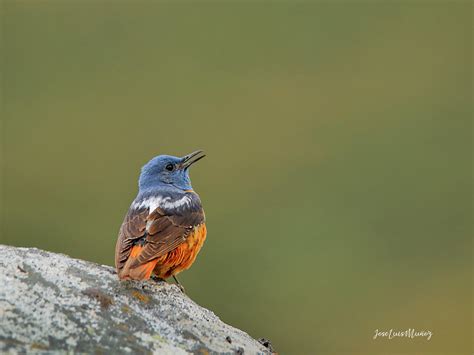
(50, 302)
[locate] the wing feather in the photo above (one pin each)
(159, 232)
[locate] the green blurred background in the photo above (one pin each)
(337, 185)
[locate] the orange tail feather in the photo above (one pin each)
(140, 272)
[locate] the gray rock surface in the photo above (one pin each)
(51, 302)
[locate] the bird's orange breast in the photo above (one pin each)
(182, 257)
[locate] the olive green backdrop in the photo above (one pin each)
(337, 185)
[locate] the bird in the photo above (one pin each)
(164, 228)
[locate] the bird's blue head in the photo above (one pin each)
(166, 170)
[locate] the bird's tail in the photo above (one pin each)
(132, 271)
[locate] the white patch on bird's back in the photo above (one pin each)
(154, 202)
(148, 224)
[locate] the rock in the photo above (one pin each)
(51, 302)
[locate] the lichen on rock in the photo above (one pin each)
(51, 302)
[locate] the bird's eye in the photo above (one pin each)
(169, 167)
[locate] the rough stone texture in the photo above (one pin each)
(50, 302)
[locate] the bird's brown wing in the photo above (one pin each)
(131, 231)
(144, 237)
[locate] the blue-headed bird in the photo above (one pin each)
(164, 228)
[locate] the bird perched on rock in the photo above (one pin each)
(164, 228)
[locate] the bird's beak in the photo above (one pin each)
(190, 159)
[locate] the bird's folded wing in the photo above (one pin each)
(157, 233)
(132, 230)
